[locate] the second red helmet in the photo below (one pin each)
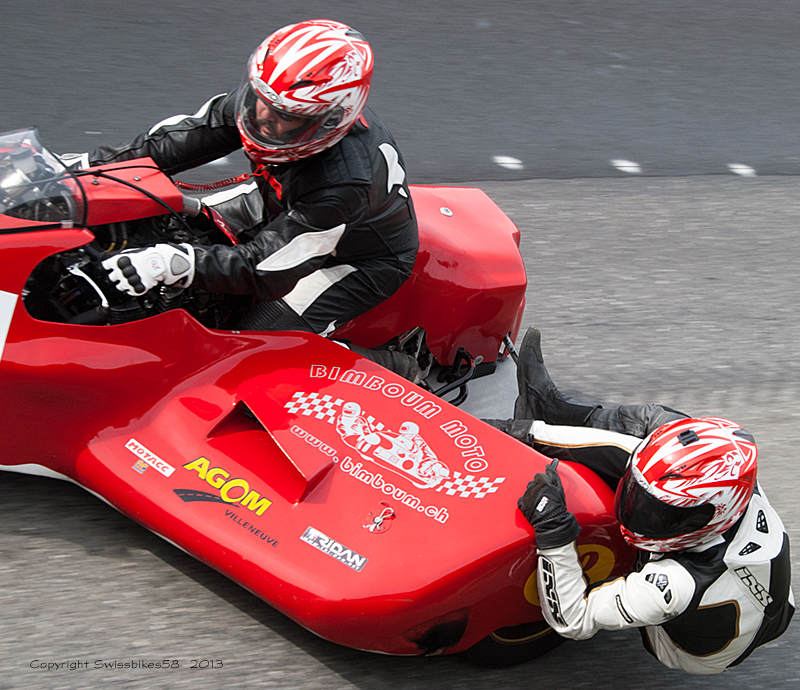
(686, 484)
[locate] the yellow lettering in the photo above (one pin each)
(253, 501)
(216, 477)
(230, 490)
(224, 492)
(596, 560)
(200, 466)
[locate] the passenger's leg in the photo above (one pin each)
(538, 396)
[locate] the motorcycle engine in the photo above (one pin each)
(73, 287)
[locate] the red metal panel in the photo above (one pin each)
(468, 282)
(113, 201)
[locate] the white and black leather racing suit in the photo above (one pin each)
(701, 610)
(323, 239)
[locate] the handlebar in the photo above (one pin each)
(192, 206)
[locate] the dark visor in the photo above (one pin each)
(303, 129)
(259, 130)
(643, 514)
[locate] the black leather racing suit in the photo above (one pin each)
(323, 239)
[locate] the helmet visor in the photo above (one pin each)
(645, 515)
(273, 128)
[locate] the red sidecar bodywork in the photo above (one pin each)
(363, 507)
(231, 447)
(468, 283)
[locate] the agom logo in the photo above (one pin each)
(230, 490)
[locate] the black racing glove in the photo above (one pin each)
(543, 504)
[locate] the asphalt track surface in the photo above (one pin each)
(676, 285)
(511, 89)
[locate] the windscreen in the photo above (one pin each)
(34, 184)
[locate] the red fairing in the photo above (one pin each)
(112, 200)
(468, 285)
(241, 457)
(467, 289)
(362, 506)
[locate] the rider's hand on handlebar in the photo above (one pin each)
(544, 505)
(136, 271)
(75, 161)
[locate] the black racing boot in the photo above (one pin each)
(399, 362)
(538, 396)
(519, 429)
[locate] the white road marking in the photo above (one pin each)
(743, 170)
(508, 162)
(626, 166)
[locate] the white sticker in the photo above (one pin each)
(8, 300)
(334, 549)
(150, 458)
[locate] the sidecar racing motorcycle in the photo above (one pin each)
(365, 507)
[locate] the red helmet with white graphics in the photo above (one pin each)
(306, 86)
(686, 483)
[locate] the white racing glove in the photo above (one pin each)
(75, 161)
(136, 271)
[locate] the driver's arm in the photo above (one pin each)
(182, 141)
(290, 247)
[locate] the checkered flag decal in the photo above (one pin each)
(468, 486)
(321, 406)
(375, 426)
